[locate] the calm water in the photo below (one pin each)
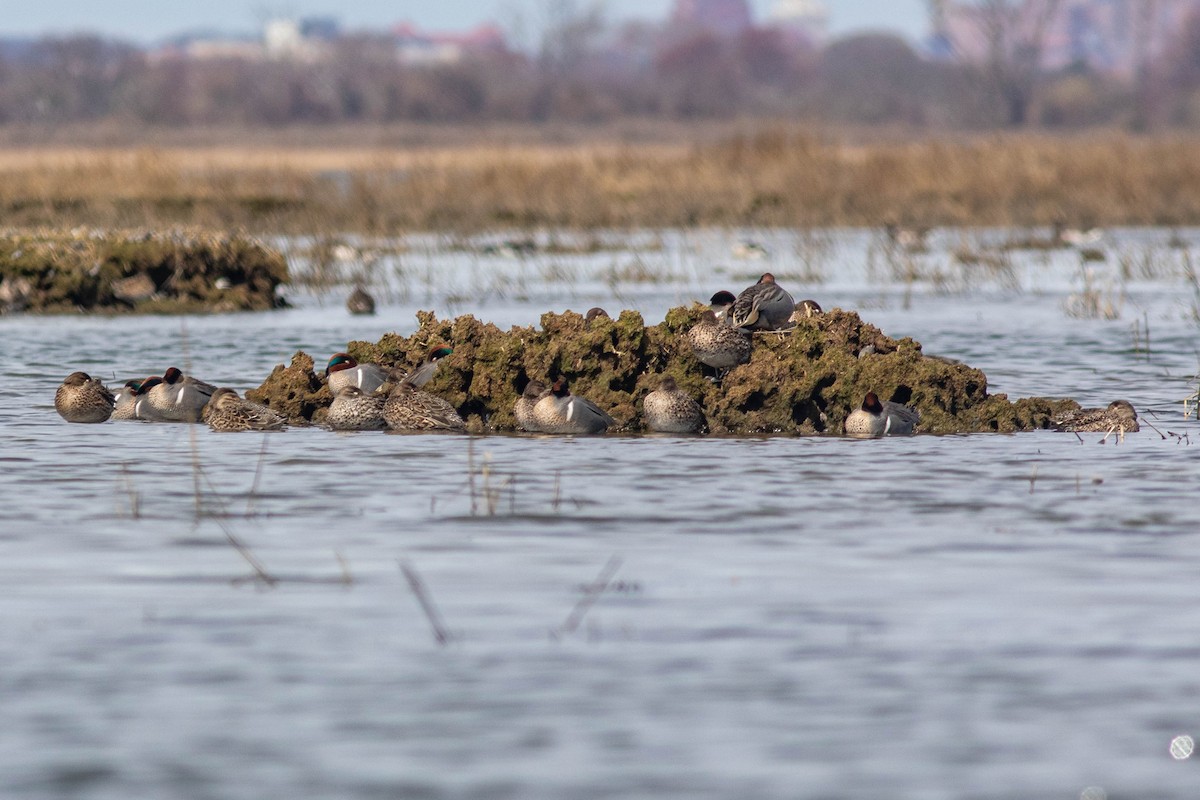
(934, 617)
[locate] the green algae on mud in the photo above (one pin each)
(52, 271)
(802, 381)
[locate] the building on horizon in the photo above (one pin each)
(1110, 36)
(415, 47)
(802, 22)
(724, 18)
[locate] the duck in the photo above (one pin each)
(534, 391)
(82, 398)
(764, 306)
(881, 419)
(1119, 415)
(344, 370)
(226, 411)
(426, 369)
(669, 409)
(720, 303)
(806, 309)
(718, 346)
(177, 397)
(748, 250)
(127, 400)
(559, 411)
(359, 302)
(594, 314)
(408, 408)
(911, 240)
(354, 410)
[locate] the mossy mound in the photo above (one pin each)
(802, 381)
(112, 271)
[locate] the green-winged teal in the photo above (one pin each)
(352, 410)
(178, 398)
(127, 400)
(805, 309)
(425, 370)
(720, 303)
(535, 390)
(719, 346)
(227, 411)
(1118, 416)
(881, 419)
(82, 398)
(410, 409)
(359, 302)
(763, 306)
(669, 409)
(559, 411)
(344, 370)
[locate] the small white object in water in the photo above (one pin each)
(1182, 747)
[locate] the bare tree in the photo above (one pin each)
(1015, 33)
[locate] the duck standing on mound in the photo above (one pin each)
(562, 412)
(409, 409)
(1118, 416)
(881, 419)
(344, 370)
(178, 398)
(669, 409)
(764, 306)
(535, 390)
(82, 398)
(352, 410)
(716, 345)
(229, 412)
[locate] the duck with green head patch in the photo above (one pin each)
(344, 370)
(425, 370)
(126, 400)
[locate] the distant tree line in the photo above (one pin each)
(869, 79)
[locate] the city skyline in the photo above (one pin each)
(143, 21)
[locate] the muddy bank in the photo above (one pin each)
(140, 272)
(804, 381)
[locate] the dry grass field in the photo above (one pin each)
(759, 176)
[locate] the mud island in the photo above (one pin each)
(802, 381)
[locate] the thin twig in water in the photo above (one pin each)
(557, 489)
(418, 588)
(135, 501)
(1033, 479)
(1147, 423)
(471, 472)
(262, 457)
(591, 594)
(347, 578)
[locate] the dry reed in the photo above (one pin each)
(775, 177)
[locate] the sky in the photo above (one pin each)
(151, 20)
